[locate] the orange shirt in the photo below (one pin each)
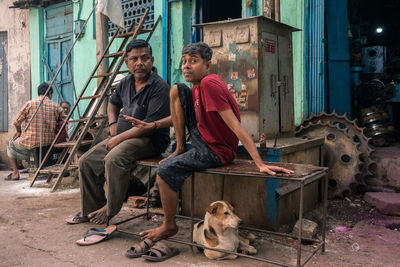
(46, 117)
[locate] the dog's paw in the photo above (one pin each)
(252, 250)
(251, 237)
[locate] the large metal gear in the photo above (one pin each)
(341, 155)
(355, 132)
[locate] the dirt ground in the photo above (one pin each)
(33, 233)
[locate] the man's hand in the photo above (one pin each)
(271, 170)
(16, 135)
(139, 123)
(113, 142)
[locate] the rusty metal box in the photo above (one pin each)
(253, 56)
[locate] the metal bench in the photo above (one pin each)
(303, 175)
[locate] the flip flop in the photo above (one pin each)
(8, 178)
(96, 237)
(139, 249)
(77, 219)
(160, 252)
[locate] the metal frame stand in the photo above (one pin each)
(319, 175)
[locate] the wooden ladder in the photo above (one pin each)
(90, 116)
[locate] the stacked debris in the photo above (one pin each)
(378, 126)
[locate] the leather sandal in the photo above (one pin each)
(139, 249)
(160, 252)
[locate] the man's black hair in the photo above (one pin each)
(66, 102)
(43, 87)
(198, 48)
(138, 43)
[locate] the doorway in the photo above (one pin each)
(211, 10)
(58, 41)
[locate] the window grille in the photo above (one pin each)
(133, 11)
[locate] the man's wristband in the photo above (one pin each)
(111, 123)
(156, 125)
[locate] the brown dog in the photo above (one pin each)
(220, 230)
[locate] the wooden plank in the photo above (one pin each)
(56, 169)
(72, 143)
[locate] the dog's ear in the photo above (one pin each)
(213, 209)
(229, 205)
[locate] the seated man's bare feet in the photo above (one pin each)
(99, 216)
(159, 233)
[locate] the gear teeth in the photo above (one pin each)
(349, 175)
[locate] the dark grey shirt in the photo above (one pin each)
(151, 103)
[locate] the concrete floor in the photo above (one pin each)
(33, 233)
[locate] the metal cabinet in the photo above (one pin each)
(253, 56)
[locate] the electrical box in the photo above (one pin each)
(253, 56)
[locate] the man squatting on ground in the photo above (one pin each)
(141, 94)
(211, 115)
(41, 131)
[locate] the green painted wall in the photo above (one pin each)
(293, 14)
(36, 25)
(84, 52)
(180, 35)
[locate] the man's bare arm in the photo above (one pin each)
(233, 123)
(112, 113)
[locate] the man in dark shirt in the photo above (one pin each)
(142, 94)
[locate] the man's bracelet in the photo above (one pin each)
(111, 123)
(156, 125)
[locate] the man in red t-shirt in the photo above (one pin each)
(212, 117)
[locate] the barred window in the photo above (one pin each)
(133, 11)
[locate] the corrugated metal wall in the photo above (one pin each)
(338, 56)
(315, 56)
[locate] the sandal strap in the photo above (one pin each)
(159, 249)
(77, 216)
(143, 246)
(98, 232)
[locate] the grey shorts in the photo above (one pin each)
(200, 156)
(17, 151)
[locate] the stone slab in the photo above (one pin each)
(386, 203)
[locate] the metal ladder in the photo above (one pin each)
(103, 90)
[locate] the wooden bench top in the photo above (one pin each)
(240, 167)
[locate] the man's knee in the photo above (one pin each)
(85, 160)
(113, 160)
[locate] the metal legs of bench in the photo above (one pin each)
(299, 263)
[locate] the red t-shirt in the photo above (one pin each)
(211, 97)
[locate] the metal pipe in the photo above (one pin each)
(277, 10)
(191, 211)
(324, 211)
(165, 32)
(300, 224)
(73, 85)
(131, 218)
(148, 194)
(313, 253)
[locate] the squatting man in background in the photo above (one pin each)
(41, 131)
(142, 94)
